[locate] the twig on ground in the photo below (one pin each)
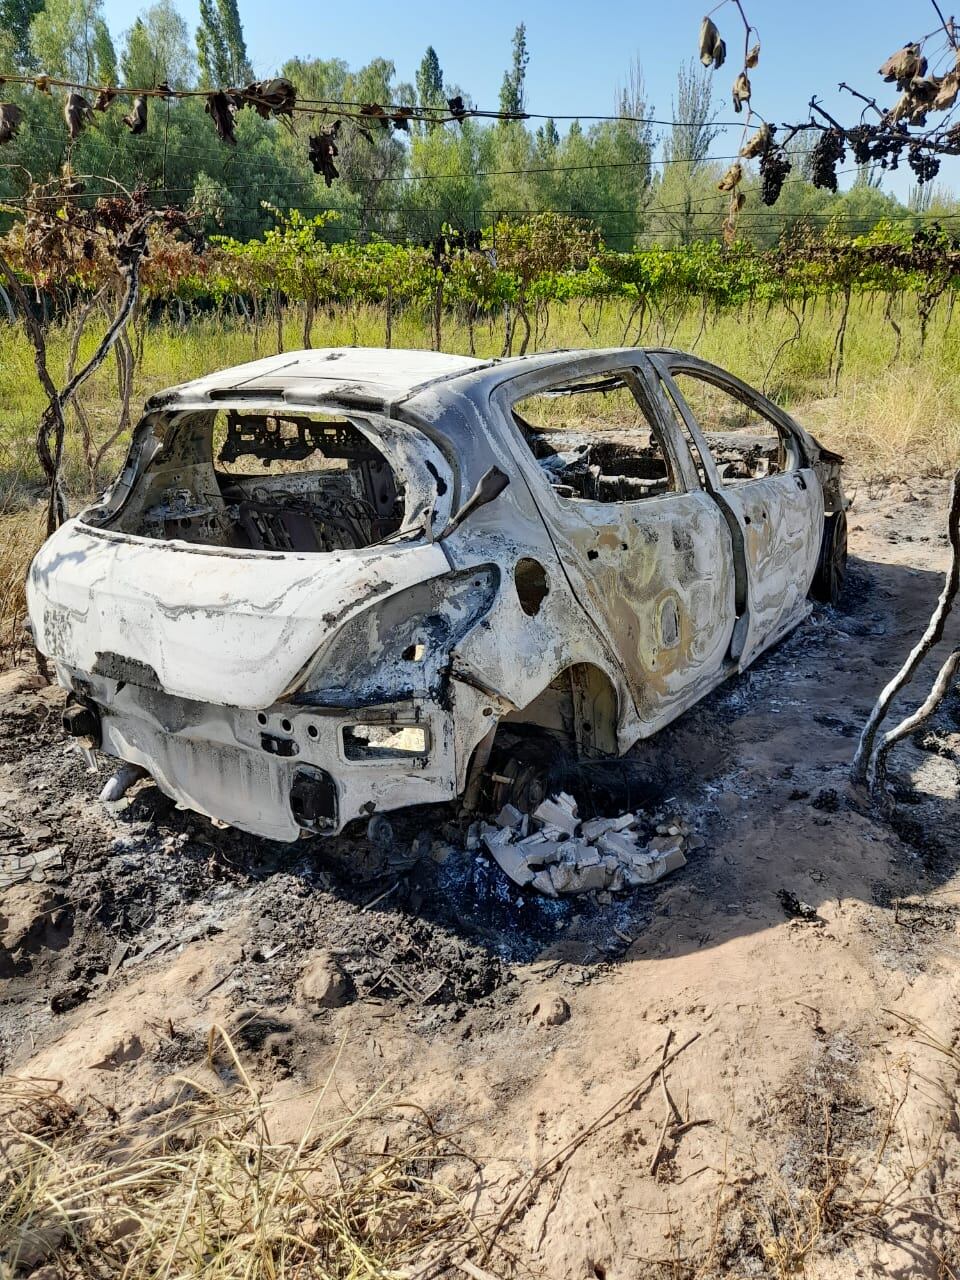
(658, 1152)
(672, 1115)
(380, 896)
(678, 1130)
(555, 1162)
(477, 1273)
(554, 1200)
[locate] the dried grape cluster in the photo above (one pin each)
(924, 164)
(322, 151)
(883, 143)
(827, 153)
(774, 167)
(864, 140)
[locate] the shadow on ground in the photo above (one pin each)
(758, 769)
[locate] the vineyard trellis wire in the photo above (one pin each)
(898, 131)
(511, 265)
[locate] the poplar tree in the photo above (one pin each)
(430, 83)
(221, 48)
(512, 89)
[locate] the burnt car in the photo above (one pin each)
(324, 583)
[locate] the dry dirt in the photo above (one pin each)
(817, 1129)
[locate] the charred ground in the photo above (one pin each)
(145, 924)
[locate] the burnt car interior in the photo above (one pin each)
(265, 481)
(746, 445)
(576, 432)
(594, 439)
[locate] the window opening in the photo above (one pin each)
(595, 440)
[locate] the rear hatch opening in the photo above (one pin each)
(267, 480)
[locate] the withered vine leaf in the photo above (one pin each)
(903, 66)
(136, 117)
(713, 50)
(322, 149)
(947, 91)
(222, 112)
(731, 178)
(11, 117)
(741, 91)
(76, 112)
(400, 119)
(758, 142)
(276, 97)
(376, 112)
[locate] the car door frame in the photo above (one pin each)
(776, 565)
(661, 699)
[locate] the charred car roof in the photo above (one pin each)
(364, 377)
(338, 374)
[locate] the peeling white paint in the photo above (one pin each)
(230, 671)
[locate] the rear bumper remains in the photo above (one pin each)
(205, 623)
(279, 773)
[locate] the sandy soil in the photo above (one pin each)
(816, 1124)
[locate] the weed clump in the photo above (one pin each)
(203, 1186)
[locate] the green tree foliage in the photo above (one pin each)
(684, 203)
(371, 170)
(104, 54)
(514, 80)
(157, 49)
(430, 82)
(446, 185)
(221, 48)
(395, 185)
(15, 19)
(68, 39)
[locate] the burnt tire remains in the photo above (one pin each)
(831, 573)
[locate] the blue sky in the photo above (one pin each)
(580, 53)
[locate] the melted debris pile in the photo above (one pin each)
(555, 853)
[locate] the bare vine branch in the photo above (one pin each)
(949, 28)
(938, 691)
(933, 634)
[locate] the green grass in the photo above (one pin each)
(895, 406)
(890, 408)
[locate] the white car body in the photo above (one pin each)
(286, 690)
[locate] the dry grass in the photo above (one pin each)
(900, 420)
(896, 406)
(21, 533)
(832, 1173)
(203, 1188)
(897, 400)
(855, 1171)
